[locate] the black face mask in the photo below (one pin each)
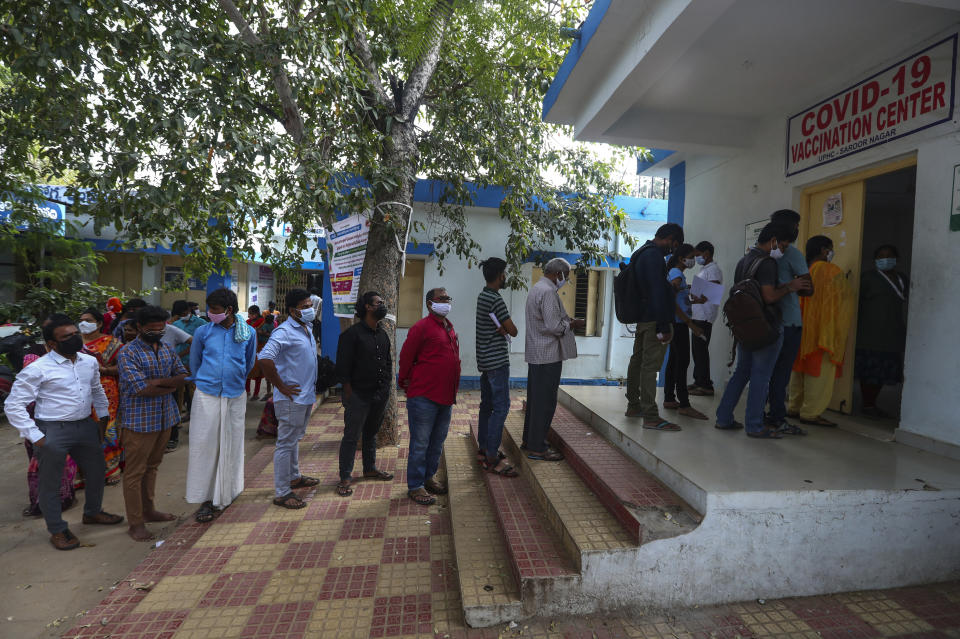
(70, 346)
(151, 338)
(380, 312)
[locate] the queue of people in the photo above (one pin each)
(109, 394)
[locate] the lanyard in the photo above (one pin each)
(897, 288)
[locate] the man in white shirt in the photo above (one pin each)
(180, 341)
(64, 383)
(704, 315)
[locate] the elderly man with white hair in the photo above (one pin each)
(549, 341)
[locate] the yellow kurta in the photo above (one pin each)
(826, 320)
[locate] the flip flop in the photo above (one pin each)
(378, 475)
(344, 489)
(690, 411)
(664, 425)
(290, 502)
(424, 499)
(304, 482)
(507, 471)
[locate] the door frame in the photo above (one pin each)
(806, 193)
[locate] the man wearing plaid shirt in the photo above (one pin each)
(150, 374)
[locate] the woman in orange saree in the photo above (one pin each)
(826, 326)
(105, 348)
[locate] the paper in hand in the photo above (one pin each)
(712, 290)
(496, 322)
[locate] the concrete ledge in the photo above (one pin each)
(928, 444)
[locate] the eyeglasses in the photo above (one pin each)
(443, 299)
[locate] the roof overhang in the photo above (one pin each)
(699, 76)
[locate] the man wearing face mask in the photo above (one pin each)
(289, 362)
(150, 374)
(224, 352)
(430, 375)
(65, 384)
(791, 265)
(655, 327)
(364, 367)
(549, 341)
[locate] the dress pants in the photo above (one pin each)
(143, 453)
(678, 361)
(543, 382)
(362, 417)
(81, 440)
(700, 346)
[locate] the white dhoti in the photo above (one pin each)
(215, 465)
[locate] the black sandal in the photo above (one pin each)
(290, 502)
(378, 475)
(206, 513)
(508, 471)
(304, 482)
(424, 499)
(344, 489)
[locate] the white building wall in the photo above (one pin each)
(724, 194)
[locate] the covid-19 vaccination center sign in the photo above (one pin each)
(907, 97)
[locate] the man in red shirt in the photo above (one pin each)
(430, 376)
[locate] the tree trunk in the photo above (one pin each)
(381, 266)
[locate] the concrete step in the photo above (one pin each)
(644, 505)
(542, 565)
(489, 590)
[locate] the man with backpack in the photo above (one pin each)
(653, 308)
(754, 317)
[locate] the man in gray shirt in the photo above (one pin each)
(549, 341)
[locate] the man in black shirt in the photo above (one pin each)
(364, 367)
(655, 328)
(756, 367)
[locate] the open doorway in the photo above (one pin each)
(883, 295)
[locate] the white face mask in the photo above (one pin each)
(830, 255)
(701, 260)
(561, 281)
(776, 253)
(87, 327)
(441, 308)
(689, 262)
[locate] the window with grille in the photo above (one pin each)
(582, 298)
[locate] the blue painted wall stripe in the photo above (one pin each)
(594, 18)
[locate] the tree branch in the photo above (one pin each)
(361, 49)
(427, 64)
(292, 120)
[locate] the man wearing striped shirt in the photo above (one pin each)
(493, 360)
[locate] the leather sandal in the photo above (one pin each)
(290, 502)
(422, 497)
(378, 475)
(304, 482)
(435, 487)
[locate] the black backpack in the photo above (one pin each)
(627, 301)
(748, 315)
(326, 373)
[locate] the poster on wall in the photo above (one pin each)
(348, 248)
(265, 287)
(909, 96)
(751, 233)
(833, 210)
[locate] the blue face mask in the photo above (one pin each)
(886, 263)
(307, 315)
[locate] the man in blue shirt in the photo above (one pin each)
(289, 362)
(222, 354)
(791, 264)
(150, 373)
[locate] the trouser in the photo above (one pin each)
(810, 396)
(700, 346)
(429, 423)
(81, 440)
(362, 417)
(781, 374)
(292, 421)
(675, 380)
(648, 353)
(543, 382)
(755, 368)
(143, 453)
(494, 406)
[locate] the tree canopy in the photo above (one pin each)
(208, 124)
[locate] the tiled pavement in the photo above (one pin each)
(378, 565)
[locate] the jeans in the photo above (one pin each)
(648, 353)
(701, 355)
(543, 382)
(429, 423)
(678, 361)
(754, 367)
(81, 440)
(292, 421)
(781, 374)
(362, 418)
(494, 406)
